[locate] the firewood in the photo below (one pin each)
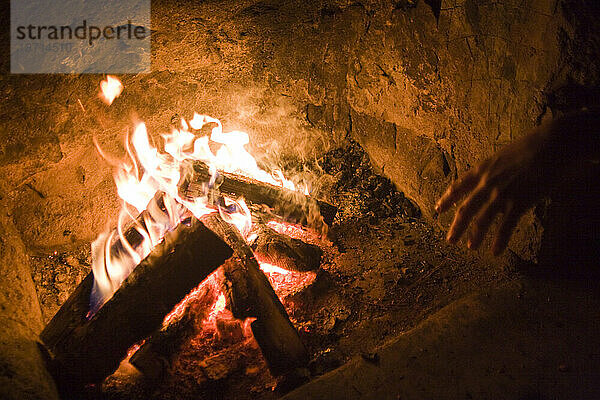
(293, 206)
(87, 350)
(155, 355)
(78, 303)
(219, 366)
(153, 358)
(250, 295)
(283, 251)
(131, 232)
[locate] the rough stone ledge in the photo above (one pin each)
(525, 340)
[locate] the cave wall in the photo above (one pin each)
(427, 92)
(427, 96)
(23, 373)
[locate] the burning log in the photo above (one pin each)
(87, 350)
(291, 205)
(154, 357)
(220, 365)
(132, 234)
(78, 303)
(250, 295)
(224, 363)
(292, 254)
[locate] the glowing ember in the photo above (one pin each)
(179, 309)
(285, 282)
(133, 349)
(212, 286)
(286, 229)
(270, 268)
(218, 307)
(110, 89)
(147, 182)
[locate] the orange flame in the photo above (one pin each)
(218, 307)
(270, 268)
(148, 171)
(110, 89)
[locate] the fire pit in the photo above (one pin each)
(190, 223)
(225, 278)
(217, 271)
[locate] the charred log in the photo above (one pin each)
(153, 358)
(155, 355)
(228, 361)
(292, 254)
(250, 295)
(132, 232)
(86, 351)
(77, 306)
(291, 205)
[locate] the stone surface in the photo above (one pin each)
(23, 374)
(526, 340)
(426, 97)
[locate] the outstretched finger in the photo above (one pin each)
(459, 189)
(508, 224)
(468, 209)
(484, 220)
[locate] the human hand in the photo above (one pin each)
(508, 183)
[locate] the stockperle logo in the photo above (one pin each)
(80, 36)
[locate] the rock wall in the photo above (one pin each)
(428, 92)
(23, 374)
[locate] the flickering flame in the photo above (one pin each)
(110, 89)
(147, 182)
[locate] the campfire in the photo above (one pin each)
(205, 239)
(247, 200)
